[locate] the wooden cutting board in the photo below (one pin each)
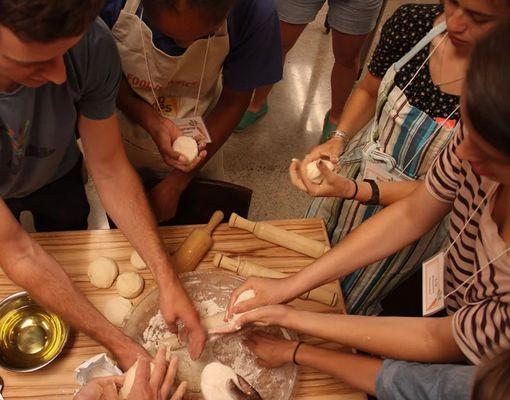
(75, 250)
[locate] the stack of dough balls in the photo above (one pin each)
(102, 273)
(187, 146)
(314, 174)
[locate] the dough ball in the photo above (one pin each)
(314, 174)
(129, 284)
(187, 146)
(129, 380)
(102, 272)
(213, 381)
(137, 261)
(116, 309)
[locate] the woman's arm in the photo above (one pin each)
(356, 370)
(335, 185)
(410, 339)
(357, 113)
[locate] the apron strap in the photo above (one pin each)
(434, 32)
(131, 6)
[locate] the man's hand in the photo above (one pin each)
(164, 134)
(176, 305)
(267, 291)
(332, 185)
(271, 351)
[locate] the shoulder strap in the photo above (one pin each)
(434, 32)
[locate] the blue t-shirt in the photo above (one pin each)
(402, 380)
(38, 125)
(255, 57)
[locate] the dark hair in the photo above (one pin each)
(488, 88)
(214, 10)
(492, 380)
(48, 20)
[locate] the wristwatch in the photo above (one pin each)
(375, 199)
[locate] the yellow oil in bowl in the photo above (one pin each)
(30, 336)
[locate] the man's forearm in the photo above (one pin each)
(132, 214)
(28, 266)
(123, 196)
(371, 241)
(356, 370)
(411, 339)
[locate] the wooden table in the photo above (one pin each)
(75, 250)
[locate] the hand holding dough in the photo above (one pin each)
(187, 146)
(314, 174)
(102, 272)
(116, 309)
(129, 284)
(216, 324)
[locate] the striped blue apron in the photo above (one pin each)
(403, 141)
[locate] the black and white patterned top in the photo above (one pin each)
(406, 27)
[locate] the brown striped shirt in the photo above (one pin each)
(481, 307)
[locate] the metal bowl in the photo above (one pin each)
(204, 286)
(30, 336)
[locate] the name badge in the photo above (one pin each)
(194, 127)
(378, 172)
(433, 284)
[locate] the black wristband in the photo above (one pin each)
(295, 353)
(355, 190)
(375, 199)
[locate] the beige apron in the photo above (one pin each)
(176, 83)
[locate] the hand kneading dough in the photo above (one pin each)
(215, 323)
(214, 381)
(187, 146)
(137, 261)
(314, 174)
(129, 284)
(129, 380)
(102, 272)
(116, 309)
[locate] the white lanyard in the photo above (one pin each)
(423, 64)
(433, 297)
(150, 75)
(487, 264)
(475, 275)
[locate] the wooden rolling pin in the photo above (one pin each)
(196, 245)
(248, 268)
(279, 236)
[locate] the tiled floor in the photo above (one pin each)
(259, 158)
